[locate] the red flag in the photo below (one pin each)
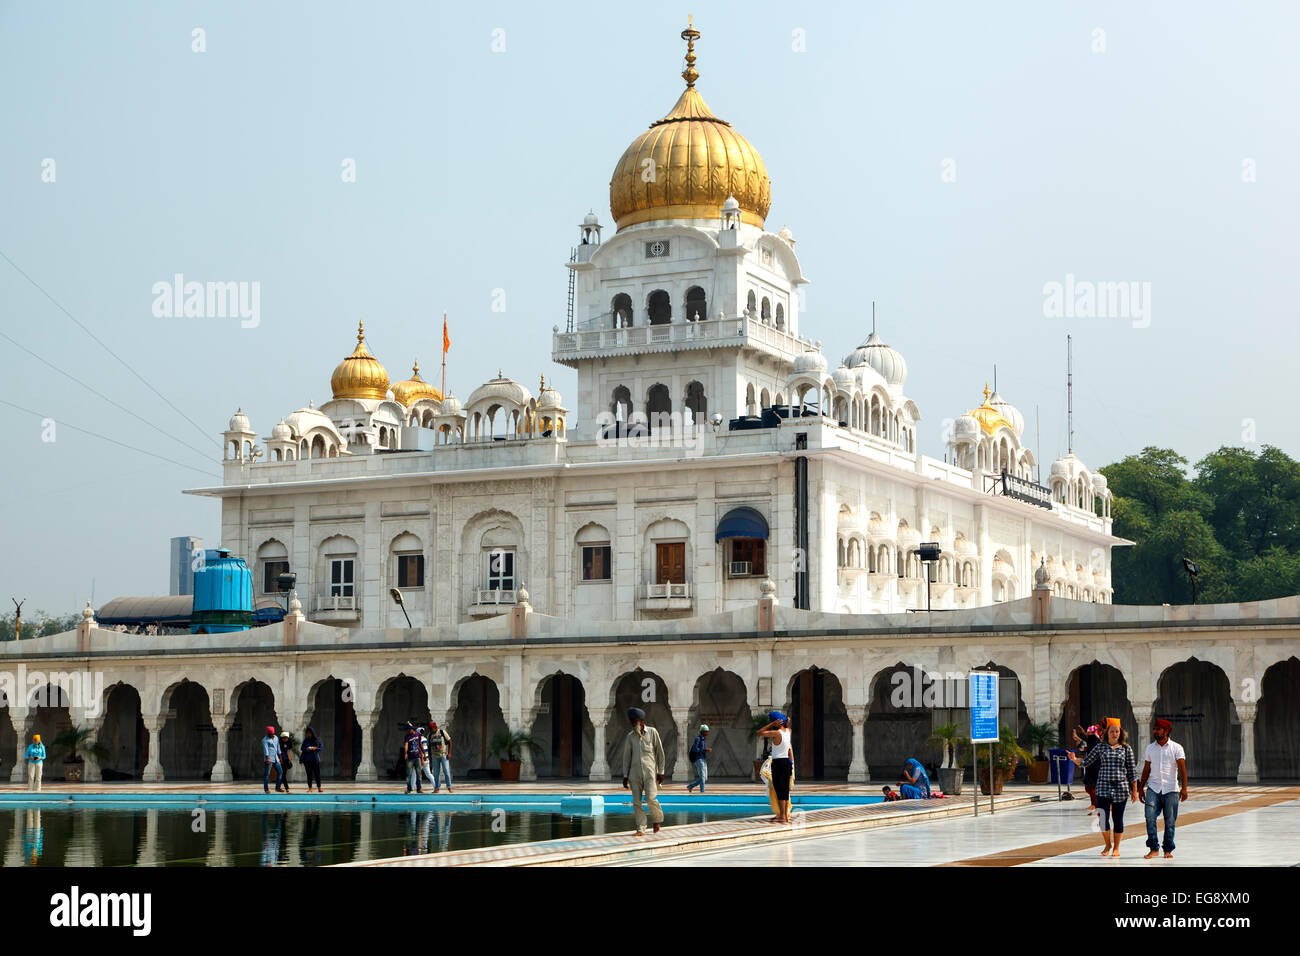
(446, 342)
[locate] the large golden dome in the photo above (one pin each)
(409, 392)
(360, 375)
(698, 161)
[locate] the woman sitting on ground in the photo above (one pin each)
(915, 784)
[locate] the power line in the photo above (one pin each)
(114, 441)
(100, 394)
(102, 345)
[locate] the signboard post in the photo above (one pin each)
(983, 725)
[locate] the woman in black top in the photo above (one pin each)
(311, 748)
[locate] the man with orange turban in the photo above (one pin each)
(1166, 771)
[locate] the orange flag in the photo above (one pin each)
(446, 342)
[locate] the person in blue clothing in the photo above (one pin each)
(271, 754)
(699, 754)
(35, 757)
(916, 782)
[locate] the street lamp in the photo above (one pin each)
(929, 552)
(397, 596)
(1192, 572)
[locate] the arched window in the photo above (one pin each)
(765, 312)
(660, 307)
(273, 558)
(621, 404)
(407, 561)
(697, 403)
(697, 308)
(659, 407)
(318, 447)
(764, 399)
(750, 408)
(751, 303)
(620, 311)
(780, 316)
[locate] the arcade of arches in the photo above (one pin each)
(849, 718)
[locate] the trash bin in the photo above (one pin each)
(1062, 766)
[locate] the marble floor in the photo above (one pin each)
(1047, 834)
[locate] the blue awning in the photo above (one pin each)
(742, 523)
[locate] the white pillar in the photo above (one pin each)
(600, 763)
(91, 772)
(23, 721)
(858, 765)
(1247, 772)
(221, 772)
(366, 768)
(683, 772)
(153, 769)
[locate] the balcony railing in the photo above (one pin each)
(665, 591)
(706, 333)
(338, 602)
(496, 596)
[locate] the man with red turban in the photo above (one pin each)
(1166, 772)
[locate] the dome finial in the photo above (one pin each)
(361, 331)
(986, 393)
(690, 35)
(415, 369)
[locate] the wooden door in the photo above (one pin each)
(670, 563)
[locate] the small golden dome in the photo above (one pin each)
(698, 161)
(990, 418)
(360, 375)
(409, 392)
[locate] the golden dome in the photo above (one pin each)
(415, 388)
(990, 418)
(698, 162)
(360, 375)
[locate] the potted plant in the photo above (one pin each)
(509, 744)
(1007, 754)
(1041, 736)
(78, 737)
(949, 740)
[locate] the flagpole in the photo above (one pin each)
(444, 355)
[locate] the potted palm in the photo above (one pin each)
(949, 740)
(509, 744)
(1007, 754)
(1041, 736)
(70, 740)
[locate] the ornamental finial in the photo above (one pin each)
(361, 331)
(690, 35)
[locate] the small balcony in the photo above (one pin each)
(337, 608)
(489, 602)
(665, 597)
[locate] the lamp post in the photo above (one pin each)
(1193, 571)
(929, 552)
(397, 596)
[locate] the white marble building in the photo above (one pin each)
(712, 445)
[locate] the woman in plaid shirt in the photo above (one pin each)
(1116, 780)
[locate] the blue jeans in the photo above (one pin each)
(266, 775)
(441, 768)
(1157, 803)
(413, 775)
(701, 775)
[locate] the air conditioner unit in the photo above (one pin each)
(741, 568)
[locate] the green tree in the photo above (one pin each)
(37, 624)
(1256, 499)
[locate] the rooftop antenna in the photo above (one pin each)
(1069, 394)
(873, 316)
(995, 378)
(1038, 448)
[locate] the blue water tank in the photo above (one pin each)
(223, 594)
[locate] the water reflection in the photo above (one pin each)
(280, 837)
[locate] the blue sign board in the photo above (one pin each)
(983, 707)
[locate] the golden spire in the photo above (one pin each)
(986, 393)
(415, 369)
(361, 331)
(690, 35)
(543, 388)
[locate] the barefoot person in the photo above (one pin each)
(1166, 772)
(777, 730)
(1116, 781)
(643, 769)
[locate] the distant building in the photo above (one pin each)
(181, 579)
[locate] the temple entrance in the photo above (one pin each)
(476, 720)
(649, 692)
(404, 699)
(124, 734)
(720, 702)
(1196, 698)
(1096, 691)
(254, 706)
(563, 729)
(822, 735)
(187, 746)
(1277, 723)
(334, 720)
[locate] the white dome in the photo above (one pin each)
(550, 398)
(786, 234)
(1099, 482)
(908, 538)
(964, 546)
(590, 219)
(305, 419)
(885, 360)
(504, 389)
(1061, 467)
(876, 527)
(1009, 412)
(281, 431)
(845, 379)
(810, 361)
(239, 422)
(450, 406)
(731, 205)
(966, 427)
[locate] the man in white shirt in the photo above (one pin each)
(1166, 772)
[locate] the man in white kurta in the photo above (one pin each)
(643, 769)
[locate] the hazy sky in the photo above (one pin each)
(944, 159)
